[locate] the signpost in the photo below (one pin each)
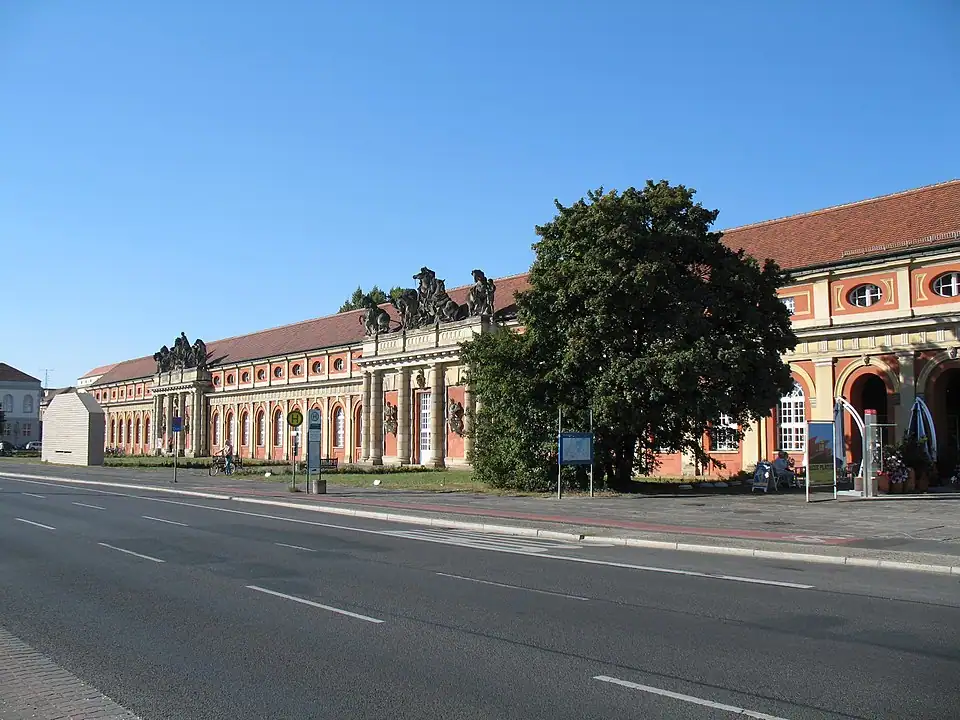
(313, 450)
(176, 424)
(295, 420)
(574, 448)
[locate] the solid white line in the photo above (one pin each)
(393, 533)
(39, 525)
(295, 547)
(131, 552)
(42, 497)
(168, 522)
(311, 603)
(512, 587)
(688, 698)
(94, 507)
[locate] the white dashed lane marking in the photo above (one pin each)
(35, 524)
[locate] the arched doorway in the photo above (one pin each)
(868, 392)
(944, 402)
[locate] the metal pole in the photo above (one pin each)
(293, 454)
(559, 466)
(591, 452)
(176, 452)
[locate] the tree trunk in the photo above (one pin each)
(623, 470)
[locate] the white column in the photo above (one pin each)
(438, 425)
(373, 428)
(365, 415)
(403, 417)
(168, 424)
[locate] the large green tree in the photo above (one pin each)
(637, 310)
(356, 300)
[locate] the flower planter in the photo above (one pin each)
(923, 482)
(911, 483)
(883, 483)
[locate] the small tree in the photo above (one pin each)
(355, 302)
(638, 310)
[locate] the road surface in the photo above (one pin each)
(180, 608)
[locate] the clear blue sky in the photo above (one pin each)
(220, 167)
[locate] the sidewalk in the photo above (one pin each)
(924, 529)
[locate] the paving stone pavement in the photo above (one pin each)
(33, 687)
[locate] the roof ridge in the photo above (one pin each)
(843, 206)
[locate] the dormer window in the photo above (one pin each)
(865, 295)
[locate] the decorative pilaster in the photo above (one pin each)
(403, 417)
(824, 380)
(908, 392)
(374, 428)
(365, 418)
(469, 409)
(438, 425)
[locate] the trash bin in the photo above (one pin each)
(318, 486)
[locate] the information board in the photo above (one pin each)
(821, 456)
(576, 448)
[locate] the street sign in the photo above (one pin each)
(176, 424)
(295, 418)
(314, 418)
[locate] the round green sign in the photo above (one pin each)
(295, 418)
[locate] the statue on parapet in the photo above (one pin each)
(375, 319)
(182, 356)
(482, 295)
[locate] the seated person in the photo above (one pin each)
(782, 467)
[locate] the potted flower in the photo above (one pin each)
(897, 472)
(913, 453)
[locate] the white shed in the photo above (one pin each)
(74, 430)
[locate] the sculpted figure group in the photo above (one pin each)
(183, 356)
(429, 304)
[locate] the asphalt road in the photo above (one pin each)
(180, 608)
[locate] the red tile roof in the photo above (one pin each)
(926, 216)
(99, 370)
(9, 373)
(330, 331)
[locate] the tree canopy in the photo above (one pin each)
(637, 310)
(378, 296)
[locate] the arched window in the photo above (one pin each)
(8, 403)
(245, 429)
(113, 431)
(136, 437)
(27, 404)
(146, 431)
(261, 430)
(339, 427)
(277, 428)
(228, 428)
(129, 430)
(120, 432)
(791, 421)
(216, 429)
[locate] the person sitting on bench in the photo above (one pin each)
(782, 466)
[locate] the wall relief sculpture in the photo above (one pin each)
(390, 422)
(455, 417)
(183, 356)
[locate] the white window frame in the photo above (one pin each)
(277, 428)
(723, 435)
(8, 403)
(216, 429)
(339, 427)
(261, 428)
(790, 303)
(952, 283)
(866, 295)
(27, 404)
(792, 421)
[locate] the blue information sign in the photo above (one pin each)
(176, 424)
(576, 448)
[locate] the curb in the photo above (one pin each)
(874, 563)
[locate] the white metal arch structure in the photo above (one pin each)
(841, 406)
(921, 425)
